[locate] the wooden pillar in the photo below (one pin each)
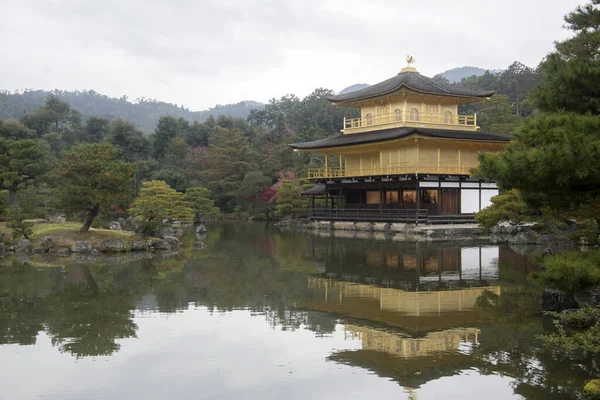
(380, 195)
(418, 195)
(440, 199)
(341, 199)
(312, 202)
(326, 166)
(459, 196)
(326, 197)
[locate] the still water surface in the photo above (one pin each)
(263, 314)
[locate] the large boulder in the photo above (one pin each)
(47, 243)
(82, 247)
(130, 223)
(167, 243)
(59, 252)
(114, 226)
(112, 245)
(163, 232)
(557, 300)
(23, 246)
(555, 241)
(137, 245)
(177, 232)
(201, 229)
(199, 245)
(529, 237)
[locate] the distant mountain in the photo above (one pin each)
(145, 113)
(456, 75)
(354, 88)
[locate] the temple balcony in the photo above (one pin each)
(392, 169)
(410, 118)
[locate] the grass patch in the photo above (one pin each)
(67, 233)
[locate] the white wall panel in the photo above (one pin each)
(469, 201)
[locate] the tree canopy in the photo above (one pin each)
(91, 179)
(553, 160)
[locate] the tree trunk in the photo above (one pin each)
(12, 194)
(89, 218)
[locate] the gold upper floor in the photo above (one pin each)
(408, 109)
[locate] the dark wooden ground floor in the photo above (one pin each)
(414, 197)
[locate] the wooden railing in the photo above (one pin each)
(392, 169)
(351, 214)
(408, 118)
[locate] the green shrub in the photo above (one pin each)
(507, 206)
(592, 389)
(589, 231)
(572, 271)
(574, 340)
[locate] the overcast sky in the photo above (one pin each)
(202, 52)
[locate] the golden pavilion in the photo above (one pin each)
(407, 157)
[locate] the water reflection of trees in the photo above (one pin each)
(87, 309)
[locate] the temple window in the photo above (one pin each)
(373, 197)
(391, 197)
(447, 117)
(398, 114)
(409, 196)
(414, 114)
(429, 196)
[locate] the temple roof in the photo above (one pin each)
(411, 81)
(318, 189)
(396, 133)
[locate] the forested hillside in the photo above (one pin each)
(456, 75)
(144, 113)
(243, 163)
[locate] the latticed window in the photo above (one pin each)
(414, 114)
(369, 119)
(398, 114)
(447, 117)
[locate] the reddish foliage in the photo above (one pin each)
(199, 154)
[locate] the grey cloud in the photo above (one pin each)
(257, 49)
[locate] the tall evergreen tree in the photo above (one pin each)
(555, 157)
(21, 161)
(572, 72)
(230, 158)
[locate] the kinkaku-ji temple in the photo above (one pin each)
(407, 158)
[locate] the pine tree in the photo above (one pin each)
(200, 201)
(572, 73)
(21, 161)
(230, 158)
(91, 179)
(554, 159)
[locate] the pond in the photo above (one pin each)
(264, 314)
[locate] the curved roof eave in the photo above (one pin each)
(403, 85)
(394, 134)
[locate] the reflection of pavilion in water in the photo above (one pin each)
(412, 311)
(410, 361)
(408, 265)
(432, 344)
(412, 306)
